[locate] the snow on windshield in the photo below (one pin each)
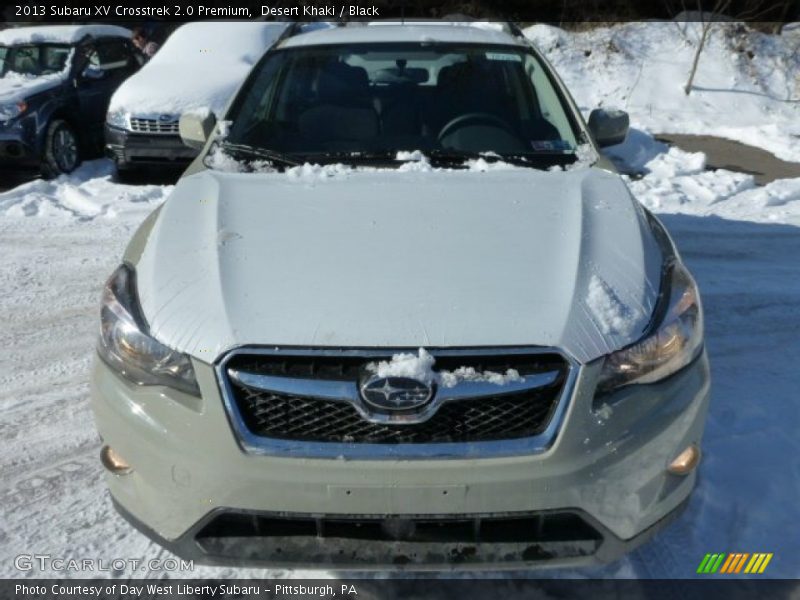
(410, 161)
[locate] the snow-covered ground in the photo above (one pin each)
(747, 86)
(59, 240)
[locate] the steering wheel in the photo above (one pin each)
(472, 118)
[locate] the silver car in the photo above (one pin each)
(400, 311)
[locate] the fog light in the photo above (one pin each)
(114, 462)
(14, 150)
(685, 462)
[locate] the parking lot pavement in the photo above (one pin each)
(735, 156)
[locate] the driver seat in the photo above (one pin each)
(473, 86)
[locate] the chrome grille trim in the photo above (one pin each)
(157, 126)
(343, 391)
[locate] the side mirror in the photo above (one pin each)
(608, 126)
(196, 127)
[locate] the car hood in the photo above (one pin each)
(400, 259)
(204, 62)
(14, 88)
(143, 93)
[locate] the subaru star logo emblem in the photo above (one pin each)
(395, 393)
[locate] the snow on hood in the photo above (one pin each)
(15, 87)
(204, 64)
(18, 86)
(403, 259)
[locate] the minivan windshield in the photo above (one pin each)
(353, 102)
(33, 60)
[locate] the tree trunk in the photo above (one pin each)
(688, 87)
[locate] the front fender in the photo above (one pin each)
(58, 102)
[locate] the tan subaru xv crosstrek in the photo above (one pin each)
(400, 312)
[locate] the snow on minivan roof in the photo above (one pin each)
(199, 66)
(59, 34)
(464, 32)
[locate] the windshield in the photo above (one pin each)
(33, 60)
(380, 99)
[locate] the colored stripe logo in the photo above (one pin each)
(736, 562)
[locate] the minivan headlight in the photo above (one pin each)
(126, 345)
(117, 118)
(675, 343)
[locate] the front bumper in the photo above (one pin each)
(606, 470)
(131, 150)
(15, 145)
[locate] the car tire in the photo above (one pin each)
(62, 153)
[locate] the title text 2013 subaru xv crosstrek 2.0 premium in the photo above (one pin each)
(400, 311)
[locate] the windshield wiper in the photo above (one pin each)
(262, 153)
(351, 157)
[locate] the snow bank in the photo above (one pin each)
(83, 195)
(204, 64)
(420, 367)
(678, 184)
(638, 149)
(747, 85)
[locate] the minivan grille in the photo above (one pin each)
(292, 416)
(141, 125)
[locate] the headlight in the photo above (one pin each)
(127, 347)
(118, 119)
(675, 343)
(14, 109)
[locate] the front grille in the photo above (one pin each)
(503, 416)
(400, 540)
(479, 420)
(141, 125)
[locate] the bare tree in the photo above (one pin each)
(719, 7)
